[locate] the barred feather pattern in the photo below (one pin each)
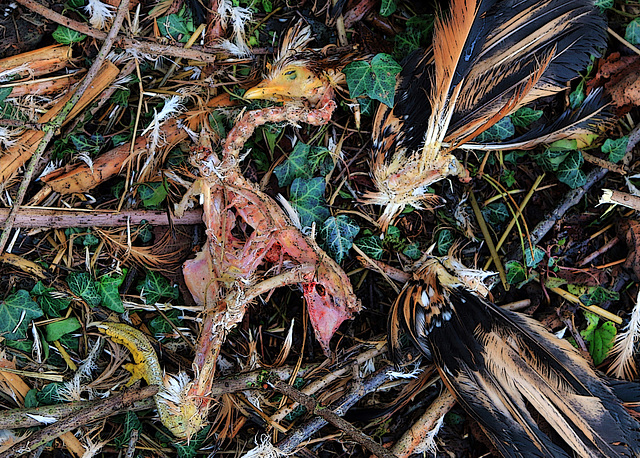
(508, 372)
(489, 58)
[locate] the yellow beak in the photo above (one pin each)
(268, 91)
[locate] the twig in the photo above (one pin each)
(331, 417)
(322, 383)
(109, 407)
(24, 418)
(413, 441)
(52, 126)
(604, 163)
(488, 241)
(195, 53)
(32, 217)
(340, 407)
(573, 197)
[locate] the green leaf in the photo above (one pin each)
(371, 246)
(16, 313)
(412, 250)
(577, 97)
(303, 162)
(81, 284)
(307, 197)
(57, 329)
(86, 144)
(597, 295)
(4, 93)
(500, 131)
(384, 69)
(551, 159)
(131, 423)
(632, 32)
(508, 177)
(525, 116)
(600, 339)
(616, 149)
(338, 233)
(567, 144)
(604, 4)
(152, 194)
(176, 27)
(155, 286)
(495, 213)
(52, 304)
(444, 241)
(66, 36)
(359, 78)
(50, 393)
(534, 258)
(108, 288)
(516, 273)
(569, 171)
(388, 7)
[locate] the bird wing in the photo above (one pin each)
(510, 374)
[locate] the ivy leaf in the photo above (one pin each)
(533, 258)
(604, 4)
(57, 329)
(338, 233)
(108, 288)
(307, 197)
(81, 284)
(155, 286)
(376, 79)
(632, 32)
(152, 194)
(615, 148)
(66, 36)
(384, 69)
(86, 144)
(569, 171)
(359, 78)
(525, 116)
(131, 422)
(551, 159)
(577, 96)
(597, 295)
(600, 339)
(303, 162)
(50, 393)
(388, 7)
(16, 313)
(444, 241)
(516, 273)
(500, 131)
(4, 93)
(412, 251)
(51, 304)
(495, 213)
(176, 27)
(371, 246)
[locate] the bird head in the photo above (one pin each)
(300, 73)
(294, 81)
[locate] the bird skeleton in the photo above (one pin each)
(489, 58)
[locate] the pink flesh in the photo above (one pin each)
(326, 317)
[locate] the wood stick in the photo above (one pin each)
(110, 406)
(33, 217)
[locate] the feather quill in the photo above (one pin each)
(489, 58)
(625, 348)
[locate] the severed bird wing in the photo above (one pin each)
(510, 374)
